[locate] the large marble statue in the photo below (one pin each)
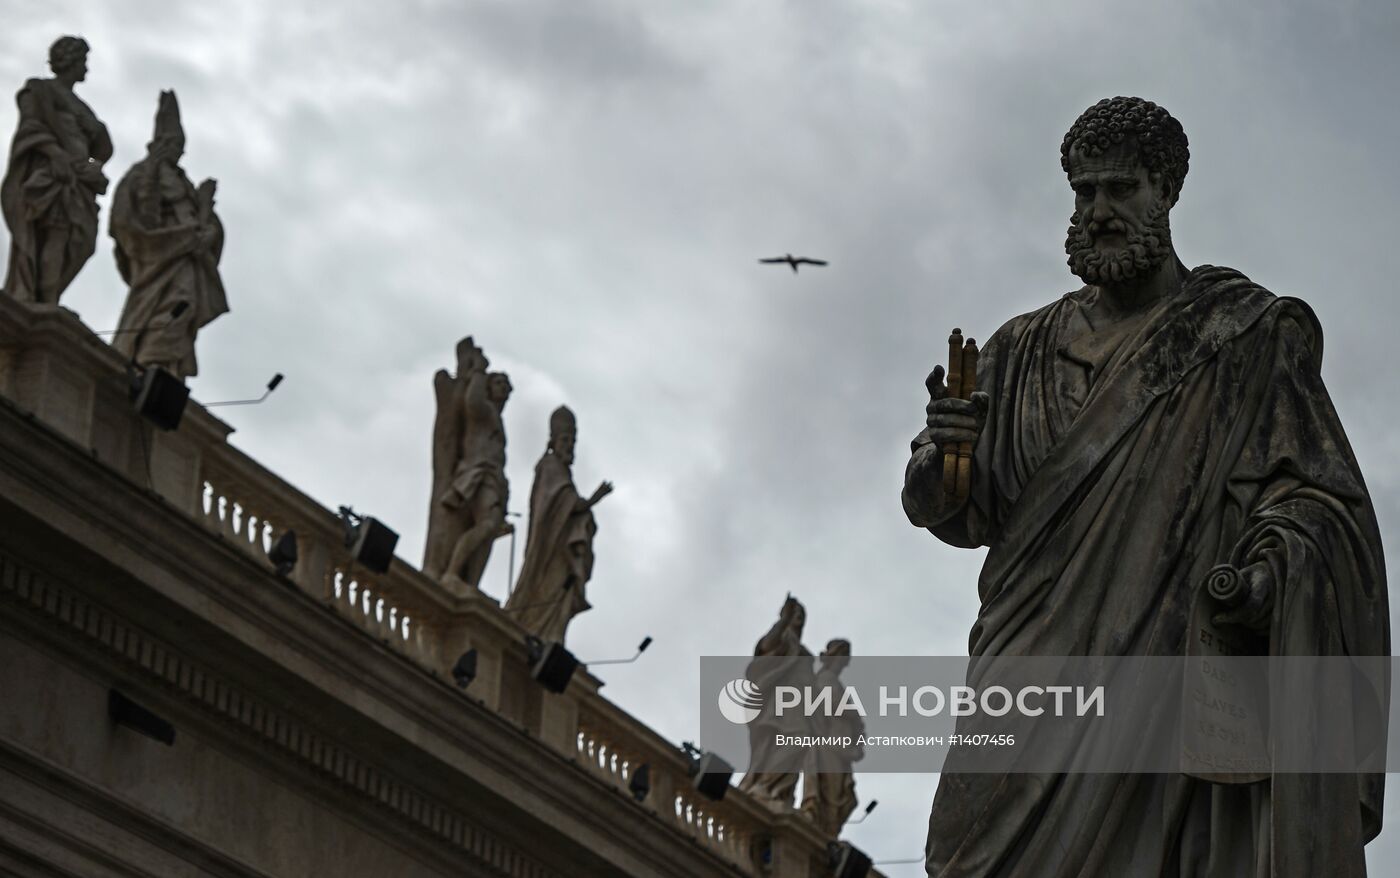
(168, 245)
(1133, 434)
(49, 195)
(470, 491)
(829, 783)
(559, 545)
(779, 657)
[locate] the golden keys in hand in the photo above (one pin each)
(962, 382)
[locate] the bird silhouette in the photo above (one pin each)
(793, 261)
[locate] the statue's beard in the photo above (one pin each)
(1145, 252)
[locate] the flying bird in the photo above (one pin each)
(793, 261)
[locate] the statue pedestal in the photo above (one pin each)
(503, 680)
(55, 368)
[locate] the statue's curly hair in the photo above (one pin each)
(1160, 139)
(65, 52)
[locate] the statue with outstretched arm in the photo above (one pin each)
(558, 564)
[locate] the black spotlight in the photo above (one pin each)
(158, 396)
(639, 784)
(370, 541)
(847, 861)
(709, 773)
(283, 553)
(465, 669)
(257, 400)
(551, 664)
(126, 712)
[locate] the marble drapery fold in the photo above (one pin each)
(1105, 492)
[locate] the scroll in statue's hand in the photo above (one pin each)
(952, 420)
(1255, 609)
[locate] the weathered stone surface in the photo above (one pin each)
(828, 780)
(559, 547)
(467, 512)
(168, 243)
(49, 194)
(1132, 435)
(783, 640)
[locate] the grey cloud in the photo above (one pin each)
(585, 188)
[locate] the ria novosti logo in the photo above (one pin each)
(740, 701)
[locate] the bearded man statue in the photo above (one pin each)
(1130, 436)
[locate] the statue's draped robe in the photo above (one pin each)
(558, 554)
(1106, 491)
(35, 204)
(161, 257)
(460, 472)
(779, 658)
(829, 781)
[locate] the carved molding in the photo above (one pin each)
(24, 817)
(235, 707)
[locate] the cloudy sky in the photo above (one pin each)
(584, 186)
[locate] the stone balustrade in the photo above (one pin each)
(251, 508)
(612, 744)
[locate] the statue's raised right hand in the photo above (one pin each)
(952, 420)
(205, 191)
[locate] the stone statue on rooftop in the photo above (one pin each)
(779, 658)
(168, 244)
(49, 194)
(829, 781)
(558, 560)
(470, 492)
(1128, 437)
